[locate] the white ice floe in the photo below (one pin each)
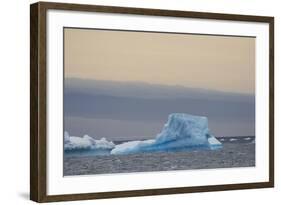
(214, 143)
(182, 131)
(86, 142)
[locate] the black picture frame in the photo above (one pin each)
(38, 100)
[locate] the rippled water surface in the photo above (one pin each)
(236, 152)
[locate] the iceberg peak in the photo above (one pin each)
(184, 126)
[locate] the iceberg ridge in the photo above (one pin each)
(86, 143)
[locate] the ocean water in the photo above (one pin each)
(236, 152)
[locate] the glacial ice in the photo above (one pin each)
(86, 143)
(181, 132)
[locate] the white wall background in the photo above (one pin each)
(14, 101)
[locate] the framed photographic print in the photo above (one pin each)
(134, 102)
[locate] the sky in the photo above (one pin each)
(200, 61)
(123, 85)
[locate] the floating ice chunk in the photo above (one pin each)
(181, 132)
(85, 143)
(214, 143)
(247, 138)
(232, 140)
(133, 147)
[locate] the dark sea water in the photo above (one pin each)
(236, 152)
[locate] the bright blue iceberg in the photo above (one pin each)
(181, 132)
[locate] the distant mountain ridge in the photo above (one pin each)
(147, 90)
(118, 110)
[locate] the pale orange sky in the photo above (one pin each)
(200, 61)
